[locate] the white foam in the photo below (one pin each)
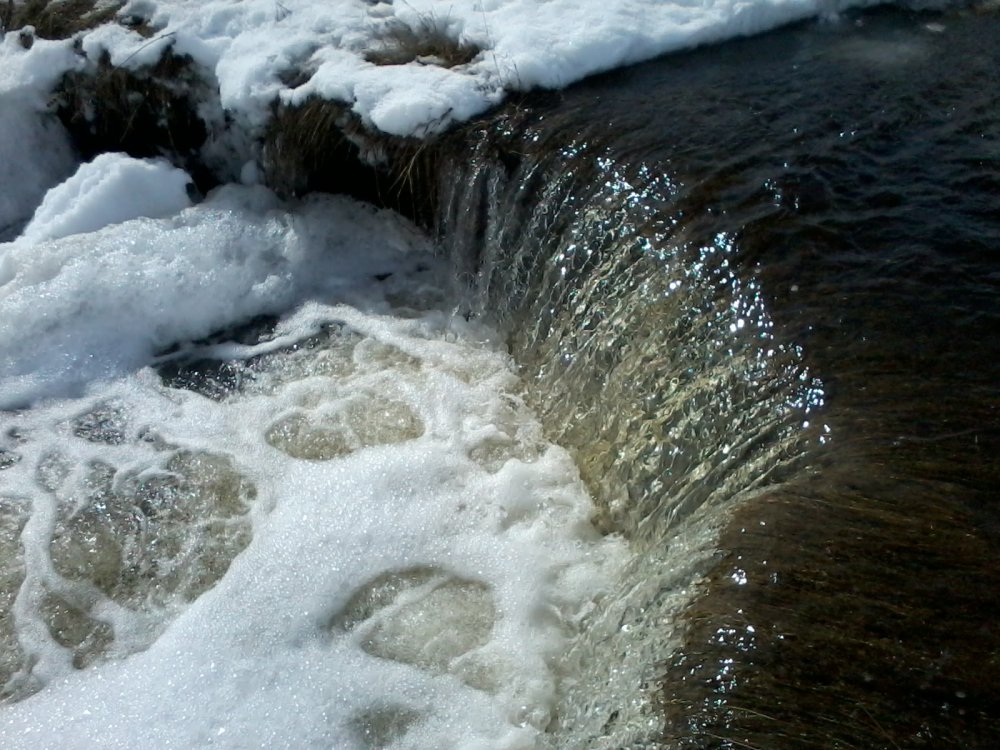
(442, 480)
(93, 306)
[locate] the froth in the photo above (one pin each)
(338, 526)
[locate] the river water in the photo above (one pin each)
(746, 297)
(754, 290)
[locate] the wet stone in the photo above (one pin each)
(88, 638)
(327, 353)
(212, 378)
(51, 472)
(376, 420)
(296, 436)
(380, 355)
(380, 592)
(363, 421)
(432, 632)
(105, 423)
(146, 540)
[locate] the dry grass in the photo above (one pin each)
(56, 19)
(429, 43)
(147, 112)
(322, 146)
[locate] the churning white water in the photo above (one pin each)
(346, 531)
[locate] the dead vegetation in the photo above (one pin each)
(429, 43)
(147, 112)
(57, 19)
(321, 145)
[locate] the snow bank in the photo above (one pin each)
(111, 189)
(103, 302)
(256, 45)
(32, 72)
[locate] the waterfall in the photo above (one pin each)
(721, 307)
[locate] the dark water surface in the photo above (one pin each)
(756, 290)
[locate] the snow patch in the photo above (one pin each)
(111, 189)
(35, 152)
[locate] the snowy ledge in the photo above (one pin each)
(405, 68)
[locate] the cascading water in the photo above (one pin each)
(651, 357)
(336, 525)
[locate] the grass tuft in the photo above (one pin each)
(147, 112)
(429, 43)
(321, 145)
(57, 19)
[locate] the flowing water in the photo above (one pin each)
(754, 291)
(751, 291)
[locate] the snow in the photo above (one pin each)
(35, 152)
(109, 190)
(525, 44)
(248, 46)
(33, 72)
